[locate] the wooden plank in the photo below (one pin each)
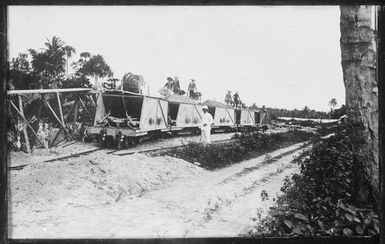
(84, 106)
(161, 109)
(60, 108)
(228, 112)
(22, 116)
(73, 155)
(69, 112)
(41, 91)
(54, 139)
(53, 112)
(76, 110)
(198, 111)
(24, 129)
(90, 97)
(54, 145)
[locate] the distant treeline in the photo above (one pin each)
(303, 113)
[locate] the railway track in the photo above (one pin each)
(115, 152)
(75, 155)
(165, 148)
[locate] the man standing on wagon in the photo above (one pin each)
(170, 83)
(236, 99)
(207, 121)
(176, 86)
(192, 88)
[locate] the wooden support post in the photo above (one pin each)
(26, 121)
(56, 136)
(60, 108)
(54, 145)
(84, 106)
(24, 128)
(53, 112)
(69, 112)
(161, 110)
(76, 111)
(40, 108)
(91, 98)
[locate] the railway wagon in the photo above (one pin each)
(261, 119)
(184, 114)
(126, 116)
(223, 115)
(245, 119)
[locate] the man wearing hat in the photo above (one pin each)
(236, 99)
(170, 83)
(207, 121)
(228, 98)
(192, 88)
(176, 85)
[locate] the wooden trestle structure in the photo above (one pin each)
(58, 115)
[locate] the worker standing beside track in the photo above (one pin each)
(207, 121)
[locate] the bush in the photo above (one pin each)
(318, 200)
(213, 156)
(210, 156)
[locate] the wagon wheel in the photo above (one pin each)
(101, 141)
(129, 142)
(119, 144)
(138, 140)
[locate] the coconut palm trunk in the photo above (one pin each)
(358, 51)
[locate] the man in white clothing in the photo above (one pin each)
(207, 121)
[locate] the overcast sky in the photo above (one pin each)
(286, 57)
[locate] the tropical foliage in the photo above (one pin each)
(132, 83)
(247, 144)
(320, 199)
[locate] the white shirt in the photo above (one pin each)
(207, 119)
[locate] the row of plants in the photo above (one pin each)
(319, 200)
(246, 145)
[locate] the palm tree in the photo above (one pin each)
(85, 56)
(69, 51)
(132, 83)
(94, 66)
(50, 62)
(358, 52)
(332, 104)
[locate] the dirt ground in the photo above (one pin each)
(103, 195)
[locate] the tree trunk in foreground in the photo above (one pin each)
(358, 51)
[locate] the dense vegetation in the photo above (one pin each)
(48, 68)
(319, 200)
(249, 144)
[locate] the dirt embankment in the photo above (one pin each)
(106, 196)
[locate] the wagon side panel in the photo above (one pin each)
(197, 115)
(184, 118)
(100, 109)
(245, 118)
(162, 112)
(222, 117)
(148, 120)
(230, 119)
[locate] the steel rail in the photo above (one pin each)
(166, 148)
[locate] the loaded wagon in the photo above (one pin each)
(184, 114)
(127, 117)
(223, 115)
